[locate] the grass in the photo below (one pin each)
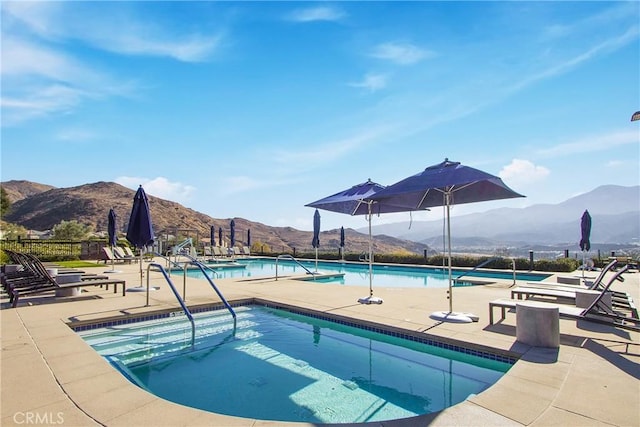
(78, 264)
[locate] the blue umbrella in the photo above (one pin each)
(113, 238)
(315, 242)
(585, 244)
(232, 233)
(249, 237)
(342, 242)
(357, 200)
(220, 235)
(140, 229)
(213, 235)
(445, 184)
(585, 228)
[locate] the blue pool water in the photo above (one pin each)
(288, 367)
(358, 274)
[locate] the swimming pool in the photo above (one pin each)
(357, 274)
(284, 366)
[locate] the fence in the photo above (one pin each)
(56, 250)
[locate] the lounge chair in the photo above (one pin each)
(128, 252)
(597, 311)
(120, 254)
(246, 251)
(46, 283)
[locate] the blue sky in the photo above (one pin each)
(253, 109)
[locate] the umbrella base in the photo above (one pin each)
(112, 271)
(143, 289)
(451, 316)
(370, 300)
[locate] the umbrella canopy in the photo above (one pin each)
(315, 242)
(212, 233)
(342, 237)
(232, 233)
(111, 228)
(635, 116)
(220, 235)
(585, 228)
(445, 184)
(140, 230)
(357, 201)
(249, 237)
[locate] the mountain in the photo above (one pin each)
(40, 207)
(615, 212)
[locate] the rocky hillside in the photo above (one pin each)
(40, 207)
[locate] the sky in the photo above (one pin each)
(254, 109)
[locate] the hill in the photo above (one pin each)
(40, 207)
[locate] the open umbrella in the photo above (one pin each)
(445, 184)
(585, 244)
(212, 233)
(357, 201)
(342, 242)
(315, 242)
(140, 230)
(113, 238)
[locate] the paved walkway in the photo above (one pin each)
(50, 376)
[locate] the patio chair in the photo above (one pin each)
(48, 283)
(597, 311)
(246, 251)
(120, 254)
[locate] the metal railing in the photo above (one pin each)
(294, 260)
(175, 292)
(482, 264)
(202, 267)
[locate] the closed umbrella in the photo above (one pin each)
(356, 200)
(585, 244)
(249, 237)
(113, 238)
(140, 229)
(446, 184)
(232, 232)
(315, 242)
(220, 236)
(212, 233)
(342, 243)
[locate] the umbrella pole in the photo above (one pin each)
(370, 256)
(316, 259)
(112, 267)
(449, 253)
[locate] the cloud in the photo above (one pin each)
(604, 142)
(371, 82)
(160, 187)
(522, 172)
(403, 54)
(312, 14)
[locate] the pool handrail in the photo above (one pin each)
(175, 292)
(294, 260)
(201, 266)
(482, 264)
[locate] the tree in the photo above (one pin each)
(5, 203)
(13, 231)
(71, 230)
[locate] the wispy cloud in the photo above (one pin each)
(160, 187)
(400, 53)
(520, 173)
(605, 142)
(371, 82)
(320, 13)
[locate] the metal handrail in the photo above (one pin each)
(175, 292)
(201, 266)
(482, 264)
(294, 260)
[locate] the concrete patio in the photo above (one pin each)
(50, 376)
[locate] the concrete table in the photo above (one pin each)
(537, 324)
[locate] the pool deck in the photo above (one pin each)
(50, 376)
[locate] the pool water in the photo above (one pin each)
(389, 276)
(284, 366)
